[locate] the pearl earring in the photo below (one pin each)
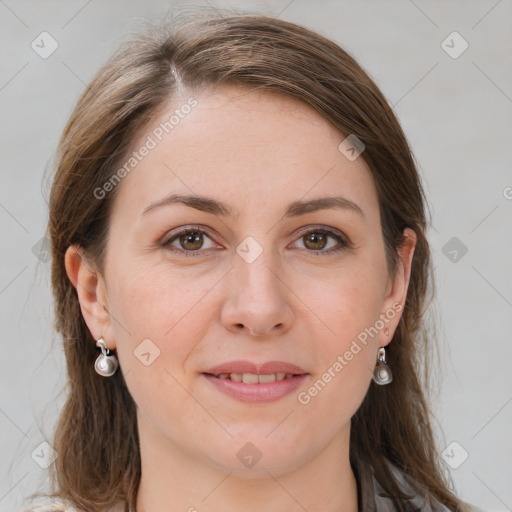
(106, 363)
(382, 374)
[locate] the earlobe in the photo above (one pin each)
(91, 291)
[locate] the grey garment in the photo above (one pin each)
(371, 500)
(370, 493)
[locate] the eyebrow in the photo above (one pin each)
(295, 209)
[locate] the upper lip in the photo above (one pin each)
(257, 369)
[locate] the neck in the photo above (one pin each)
(173, 480)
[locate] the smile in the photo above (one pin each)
(253, 378)
(256, 388)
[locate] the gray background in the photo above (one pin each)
(457, 115)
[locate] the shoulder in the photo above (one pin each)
(374, 497)
(473, 508)
(50, 506)
(422, 500)
(57, 505)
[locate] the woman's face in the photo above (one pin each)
(252, 272)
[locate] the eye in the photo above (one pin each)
(323, 241)
(189, 241)
(193, 240)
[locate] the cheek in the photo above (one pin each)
(162, 294)
(345, 358)
(349, 304)
(162, 313)
(351, 299)
(167, 406)
(161, 316)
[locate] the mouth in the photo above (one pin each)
(249, 382)
(254, 378)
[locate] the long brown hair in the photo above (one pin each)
(96, 437)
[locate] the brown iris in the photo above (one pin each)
(192, 240)
(317, 240)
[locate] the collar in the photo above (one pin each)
(370, 492)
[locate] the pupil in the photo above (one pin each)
(191, 238)
(317, 239)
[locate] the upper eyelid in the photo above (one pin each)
(301, 232)
(186, 229)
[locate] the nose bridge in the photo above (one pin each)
(255, 273)
(257, 299)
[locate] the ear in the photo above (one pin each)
(397, 287)
(92, 295)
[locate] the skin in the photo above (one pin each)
(257, 152)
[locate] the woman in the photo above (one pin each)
(240, 269)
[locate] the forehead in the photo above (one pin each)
(252, 149)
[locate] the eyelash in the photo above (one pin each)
(343, 243)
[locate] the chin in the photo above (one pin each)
(254, 456)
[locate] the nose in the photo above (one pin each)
(257, 299)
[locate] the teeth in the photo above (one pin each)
(252, 378)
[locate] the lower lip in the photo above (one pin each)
(257, 393)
